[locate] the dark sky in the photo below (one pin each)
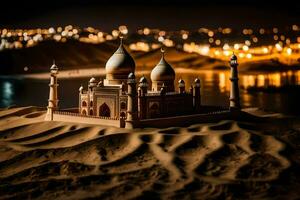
(168, 14)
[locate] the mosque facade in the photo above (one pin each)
(121, 97)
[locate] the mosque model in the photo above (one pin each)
(119, 100)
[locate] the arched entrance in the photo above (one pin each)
(104, 110)
(154, 110)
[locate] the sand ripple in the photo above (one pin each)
(46, 160)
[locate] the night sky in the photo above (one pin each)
(167, 14)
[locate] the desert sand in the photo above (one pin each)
(224, 160)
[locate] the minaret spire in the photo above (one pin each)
(121, 39)
(53, 99)
(234, 91)
(132, 103)
(162, 52)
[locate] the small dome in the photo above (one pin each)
(54, 67)
(197, 80)
(181, 81)
(143, 79)
(131, 75)
(163, 71)
(100, 83)
(120, 62)
(233, 57)
(92, 80)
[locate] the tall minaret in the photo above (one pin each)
(234, 91)
(142, 91)
(132, 103)
(53, 100)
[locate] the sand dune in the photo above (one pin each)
(224, 160)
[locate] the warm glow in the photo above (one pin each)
(185, 36)
(289, 51)
(226, 47)
(236, 46)
(204, 50)
(245, 48)
(260, 80)
(217, 53)
(146, 31)
(161, 38)
(222, 82)
(227, 53)
(265, 50)
(210, 33)
(218, 42)
(278, 47)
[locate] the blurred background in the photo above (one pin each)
(199, 37)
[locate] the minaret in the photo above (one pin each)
(234, 91)
(79, 100)
(142, 91)
(132, 104)
(197, 94)
(53, 100)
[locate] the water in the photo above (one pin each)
(214, 90)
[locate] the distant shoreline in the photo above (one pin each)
(90, 72)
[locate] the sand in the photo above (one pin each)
(224, 160)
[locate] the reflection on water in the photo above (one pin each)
(215, 87)
(7, 92)
(270, 80)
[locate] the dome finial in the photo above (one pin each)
(54, 67)
(233, 56)
(162, 52)
(121, 39)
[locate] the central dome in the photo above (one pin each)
(163, 76)
(163, 71)
(120, 64)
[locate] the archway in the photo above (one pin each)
(84, 104)
(104, 110)
(91, 112)
(83, 112)
(154, 110)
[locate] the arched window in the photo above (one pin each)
(104, 110)
(83, 104)
(123, 105)
(83, 112)
(91, 112)
(91, 103)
